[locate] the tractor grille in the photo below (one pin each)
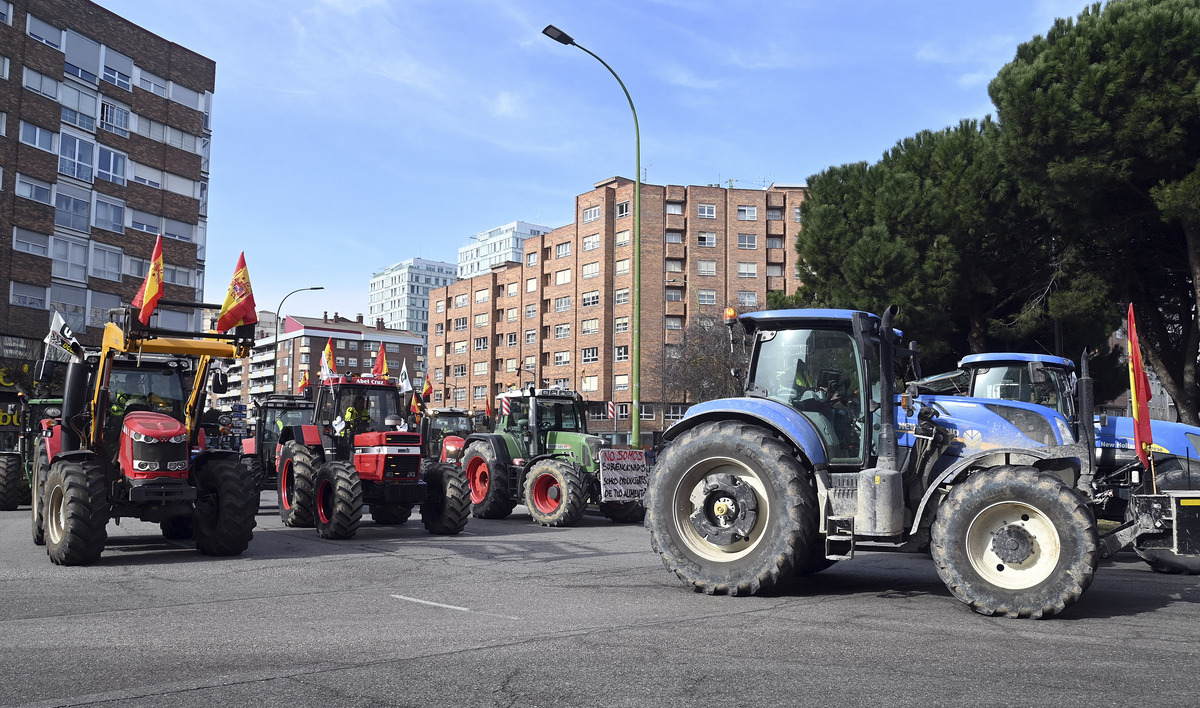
(402, 466)
(395, 438)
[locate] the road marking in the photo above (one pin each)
(452, 607)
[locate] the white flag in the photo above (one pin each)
(61, 337)
(405, 384)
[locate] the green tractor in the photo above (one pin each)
(541, 455)
(18, 466)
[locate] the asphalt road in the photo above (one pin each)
(512, 614)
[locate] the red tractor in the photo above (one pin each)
(355, 451)
(443, 434)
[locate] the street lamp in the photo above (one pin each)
(278, 317)
(635, 429)
(688, 283)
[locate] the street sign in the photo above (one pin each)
(238, 406)
(238, 414)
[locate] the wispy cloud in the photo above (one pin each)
(351, 7)
(678, 75)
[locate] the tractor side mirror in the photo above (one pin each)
(1103, 420)
(220, 382)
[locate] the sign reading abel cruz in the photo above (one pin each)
(624, 475)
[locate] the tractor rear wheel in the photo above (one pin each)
(253, 470)
(76, 512)
(555, 493)
(731, 509)
(390, 514)
(338, 501)
(223, 519)
(1171, 474)
(13, 492)
(446, 510)
(41, 468)
(623, 512)
(487, 477)
(297, 475)
(1015, 541)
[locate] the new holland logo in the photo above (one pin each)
(973, 438)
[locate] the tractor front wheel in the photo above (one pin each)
(226, 501)
(338, 500)
(41, 469)
(554, 493)
(1170, 474)
(13, 492)
(448, 506)
(1015, 541)
(76, 513)
(731, 509)
(487, 477)
(297, 476)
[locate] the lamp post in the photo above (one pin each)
(688, 283)
(278, 317)
(635, 362)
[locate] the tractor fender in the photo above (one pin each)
(306, 435)
(249, 447)
(207, 455)
(495, 441)
(74, 455)
(1062, 460)
(764, 412)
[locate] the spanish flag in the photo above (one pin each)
(1139, 395)
(304, 383)
(427, 389)
(239, 301)
(328, 370)
(380, 368)
(152, 287)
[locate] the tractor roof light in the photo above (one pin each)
(730, 316)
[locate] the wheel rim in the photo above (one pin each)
(286, 486)
(1013, 545)
(546, 494)
(55, 520)
(689, 497)
(325, 500)
(478, 479)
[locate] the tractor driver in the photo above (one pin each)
(356, 416)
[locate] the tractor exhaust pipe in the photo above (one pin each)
(74, 402)
(888, 453)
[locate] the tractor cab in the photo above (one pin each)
(443, 431)
(350, 406)
(151, 385)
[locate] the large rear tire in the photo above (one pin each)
(297, 477)
(1015, 541)
(491, 495)
(1171, 474)
(226, 501)
(446, 510)
(731, 509)
(555, 493)
(13, 490)
(338, 501)
(41, 469)
(76, 513)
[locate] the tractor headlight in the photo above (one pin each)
(1065, 431)
(178, 438)
(144, 466)
(452, 450)
(177, 466)
(139, 437)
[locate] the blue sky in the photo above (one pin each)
(351, 134)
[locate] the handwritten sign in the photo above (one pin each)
(624, 475)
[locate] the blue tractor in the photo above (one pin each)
(822, 457)
(1050, 381)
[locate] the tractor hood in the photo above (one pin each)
(154, 426)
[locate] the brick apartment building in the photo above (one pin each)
(104, 144)
(561, 317)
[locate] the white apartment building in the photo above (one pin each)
(399, 295)
(503, 244)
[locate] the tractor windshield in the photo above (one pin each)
(1015, 382)
(149, 389)
(443, 425)
(817, 372)
(560, 414)
(362, 408)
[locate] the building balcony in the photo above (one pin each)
(676, 222)
(776, 255)
(674, 309)
(775, 200)
(775, 282)
(776, 227)
(676, 250)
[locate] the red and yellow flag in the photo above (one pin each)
(239, 301)
(380, 368)
(304, 383)
(427, 390)
(328, 370)
(152, 287)
(1139, 395)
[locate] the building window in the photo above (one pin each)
(142, 221)
(439, 328)
(747, 213)
(479, 368)
(706, 267)
(481, 320)
(592, 242)
(562, 250)
(78, 108)
(439, 351)
(40, 138)
(562, 331)
(481, 344)
(706, 239)
(562, 304)
(114, 118)
(647, 412)
(620, 324)
(118, 69)
(674, 207)
(747, 270)
(25, 295)
(153, 84)
(531, 259)
(41, 84)
(440, 306)
(747, 298)
(481, 295)
(621, 267)
(562, 358)
(71, 207)
(531, 285)
(774, 214)
(178, 276)
(562, 277)
(589, 383)
(590, 326)
(621, 297)
(460, 324)
(460, 347)
(591, 270)
(622, 411)
(674, 413)
(110, 165)
(774, 242)
(674, 294)
(30, 242)
(674, 237)
(353, 361)
(621, 238)
(748, 242)
(178, 230)
(673, 265)
(621, 352)
(774, 270)
(70, 259)
(621, 383)
(706, 297)
(590, 355)
(673, 322)
(460, 370)
(706, 211)
(110, 214)
(34, 189)
(622, 209)
(796, 215)
(75, 157)
(530, 363)
(460, 300)
(479, 393)
(510, 365)
(510, 339)
(591, 214)
(511, 314)
(460, 394)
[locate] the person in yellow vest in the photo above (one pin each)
(356, 417)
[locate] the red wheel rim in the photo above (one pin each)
(286, 485)
(325, 501)
(547, 494)
(477, 479)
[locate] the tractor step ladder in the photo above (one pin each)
(839, 537)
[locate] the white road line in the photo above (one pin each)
(451, 607)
